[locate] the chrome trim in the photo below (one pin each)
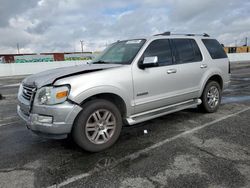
(171, 71)
(203, 66)
(141, 117)
(28, 92)
(166, 97)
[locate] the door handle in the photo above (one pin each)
(171, 71)
(203, 66)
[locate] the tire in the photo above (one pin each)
(211, 97)
(98, 125)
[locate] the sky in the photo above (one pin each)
(59, 25)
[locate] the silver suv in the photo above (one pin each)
(130, 82)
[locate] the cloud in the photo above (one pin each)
(49, 25)
(12, 8)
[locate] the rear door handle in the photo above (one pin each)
(171, 71)
(203, 66)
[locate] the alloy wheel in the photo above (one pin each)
(100, 126)
(213, 96)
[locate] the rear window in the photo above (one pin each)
(186, 51)
(214, 48)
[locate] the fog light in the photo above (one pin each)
(44, 119)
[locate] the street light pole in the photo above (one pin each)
(18, 50)
(81, 41)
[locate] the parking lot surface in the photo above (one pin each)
(184, 149)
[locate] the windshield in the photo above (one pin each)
(121, 52)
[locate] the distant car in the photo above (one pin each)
(132, 81)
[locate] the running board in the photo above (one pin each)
(144, 116)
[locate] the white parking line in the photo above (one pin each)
(8, 118)
(9, 123)
(11, 85)
(148, 149)
(12, 95)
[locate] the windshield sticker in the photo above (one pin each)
(133, 42)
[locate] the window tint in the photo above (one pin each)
(214, 48)
(161, 49)
(186, 51)
(197, 52)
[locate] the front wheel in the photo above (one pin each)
(98, 126)
(211, 97)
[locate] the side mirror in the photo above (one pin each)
(149, 62)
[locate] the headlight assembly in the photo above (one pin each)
(52, 95)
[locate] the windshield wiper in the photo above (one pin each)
(101, 62)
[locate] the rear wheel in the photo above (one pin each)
(98, 125)
(211, 97)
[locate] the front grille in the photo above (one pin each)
(28, 92)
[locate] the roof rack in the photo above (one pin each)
(168, 33)
(204, 35)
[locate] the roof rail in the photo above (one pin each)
(204, 35)
(167, 33)
(190, 34)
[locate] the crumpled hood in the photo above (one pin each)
(50, 76)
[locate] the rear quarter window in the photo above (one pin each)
(214, 48)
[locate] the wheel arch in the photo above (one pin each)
(111, 97)
(117, 95)
(216, 77)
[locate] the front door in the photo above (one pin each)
(152, 84)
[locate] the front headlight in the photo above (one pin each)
(52, 95)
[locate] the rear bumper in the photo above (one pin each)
(52, 121)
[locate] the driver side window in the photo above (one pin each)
(161, 49)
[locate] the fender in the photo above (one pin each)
(207, 76)
(104, 89)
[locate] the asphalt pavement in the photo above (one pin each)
(183, 149)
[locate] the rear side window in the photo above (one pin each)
(161, 49)
(214, 48)
(186, 51)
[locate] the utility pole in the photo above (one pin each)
(81, 41)
(247, 45)
(18, 50)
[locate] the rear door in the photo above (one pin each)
(190, 67)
